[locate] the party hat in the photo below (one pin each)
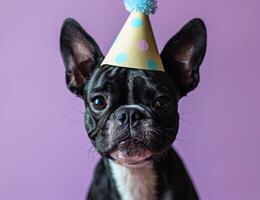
(135, 46)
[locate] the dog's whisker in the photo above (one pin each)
(91, 152)
(76, 109)
(183, 141)
(84, 146)
(76, 121)
(90, 149)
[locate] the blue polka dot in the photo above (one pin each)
(121, 58)
(137, 22)
(151, 64)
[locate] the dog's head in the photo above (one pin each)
(132, 115)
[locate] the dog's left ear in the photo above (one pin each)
(184, 53)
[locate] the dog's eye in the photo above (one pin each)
(99, 102)
(162, 103)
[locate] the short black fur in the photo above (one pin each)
(135, 111)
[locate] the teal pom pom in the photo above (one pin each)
(145, 6)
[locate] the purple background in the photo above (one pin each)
(44, 151)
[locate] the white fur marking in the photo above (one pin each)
(135, 106)
(134, 183)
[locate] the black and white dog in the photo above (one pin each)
(132, 115)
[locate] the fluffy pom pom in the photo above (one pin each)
(145, 6)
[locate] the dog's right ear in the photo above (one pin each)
(80, 54)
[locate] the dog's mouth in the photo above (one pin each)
(132, 153)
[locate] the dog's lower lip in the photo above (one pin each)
(134, 164)
(140, 161)
(123, 159)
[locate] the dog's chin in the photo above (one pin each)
(132, 154)
(135, 161)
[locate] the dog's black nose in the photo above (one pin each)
(129, 116)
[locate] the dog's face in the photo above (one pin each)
(132, 115)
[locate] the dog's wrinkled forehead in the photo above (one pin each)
(128, 81)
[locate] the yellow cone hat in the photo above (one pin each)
(135, 46)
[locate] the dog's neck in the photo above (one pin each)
(134, 183)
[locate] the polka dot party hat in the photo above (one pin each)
(135, 46)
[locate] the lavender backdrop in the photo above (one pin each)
(44, 152)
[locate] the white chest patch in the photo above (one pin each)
(134, 183)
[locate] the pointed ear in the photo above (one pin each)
(184, 53)
(80, 54)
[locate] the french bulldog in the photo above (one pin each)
(131, 115)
